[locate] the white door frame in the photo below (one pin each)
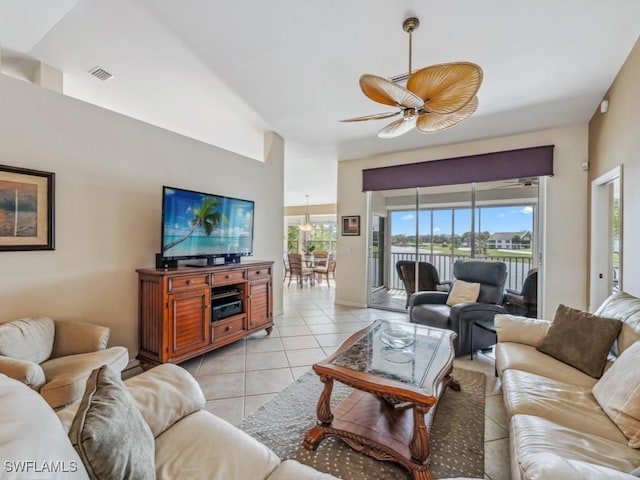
(601, 268)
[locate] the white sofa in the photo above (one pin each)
(558, 429)
(190, 443)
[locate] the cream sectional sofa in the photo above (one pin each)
(558, 428)
(190, 443)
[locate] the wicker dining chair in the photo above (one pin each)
(328, 269)
(296, 269)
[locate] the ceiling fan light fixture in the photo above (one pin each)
(435, 97)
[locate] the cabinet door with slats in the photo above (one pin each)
(189, 314)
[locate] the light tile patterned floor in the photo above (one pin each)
(239, 378)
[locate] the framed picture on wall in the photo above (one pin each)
(351, 225)
(26, 209)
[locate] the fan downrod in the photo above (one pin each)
(410, 24)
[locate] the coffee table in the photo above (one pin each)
(398, 371)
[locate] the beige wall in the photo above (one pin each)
(565, 222)
(109, 173)
(614, 139)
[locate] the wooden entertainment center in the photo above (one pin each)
(176, 319)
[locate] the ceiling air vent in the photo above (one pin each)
(101, 74)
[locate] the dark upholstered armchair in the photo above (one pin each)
(428, 278)
(430, 308)
(525, 302)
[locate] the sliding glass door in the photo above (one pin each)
(439, 225)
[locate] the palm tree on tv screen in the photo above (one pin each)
(204, 216)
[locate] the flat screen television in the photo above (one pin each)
(203, 225)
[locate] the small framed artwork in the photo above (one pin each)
(351, 225)
(26, 209)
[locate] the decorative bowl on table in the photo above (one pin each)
(397, 338)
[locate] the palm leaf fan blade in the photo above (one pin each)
(433, 122)
(375, 116)
(397, 128)
(384, 91)
(448, 87)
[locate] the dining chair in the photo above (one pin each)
(320, 259)
(329, 268)
(285, 262)
(298, 270)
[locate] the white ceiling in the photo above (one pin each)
(224, 72)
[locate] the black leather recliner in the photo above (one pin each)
(430, 308)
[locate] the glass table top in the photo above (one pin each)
(407, 353)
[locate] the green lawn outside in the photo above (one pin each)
(439, 249)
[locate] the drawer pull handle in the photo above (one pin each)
(226, 277)
(227, 328)
(258, 272)
(189, 282)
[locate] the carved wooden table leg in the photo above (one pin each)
(268, 330)
(324, 402)
(422, 475)
(419, 445)
(316, 434)
(452, 383)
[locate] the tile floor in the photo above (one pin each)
(239, 378)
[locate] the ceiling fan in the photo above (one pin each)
(523, 182)
(435, 98)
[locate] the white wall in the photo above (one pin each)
(565, 213)
(614, 140)
(109, 175)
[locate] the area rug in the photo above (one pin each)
(456, 439)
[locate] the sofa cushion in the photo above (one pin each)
(580, 339)
(31, 431)
(67, 376)
(549, 466)
(565, 404)
(463, 292)
(512, 328)
(626, 308)
(109, 433)
(164, 395)
(533, 438)
(213, 449)
(434, 315)
(292, 469)
(526, 358)
(618, 392)
(27, 339)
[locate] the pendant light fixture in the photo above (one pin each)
(307, 226)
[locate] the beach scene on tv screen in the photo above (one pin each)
(200, 224)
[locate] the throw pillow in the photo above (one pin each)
(463, 292)
(28, 339)
(109, 433)
(580, 339)
(618, 393)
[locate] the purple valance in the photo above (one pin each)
(486, 167)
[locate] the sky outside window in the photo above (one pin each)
(514, 218)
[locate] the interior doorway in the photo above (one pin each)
(606, 237)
